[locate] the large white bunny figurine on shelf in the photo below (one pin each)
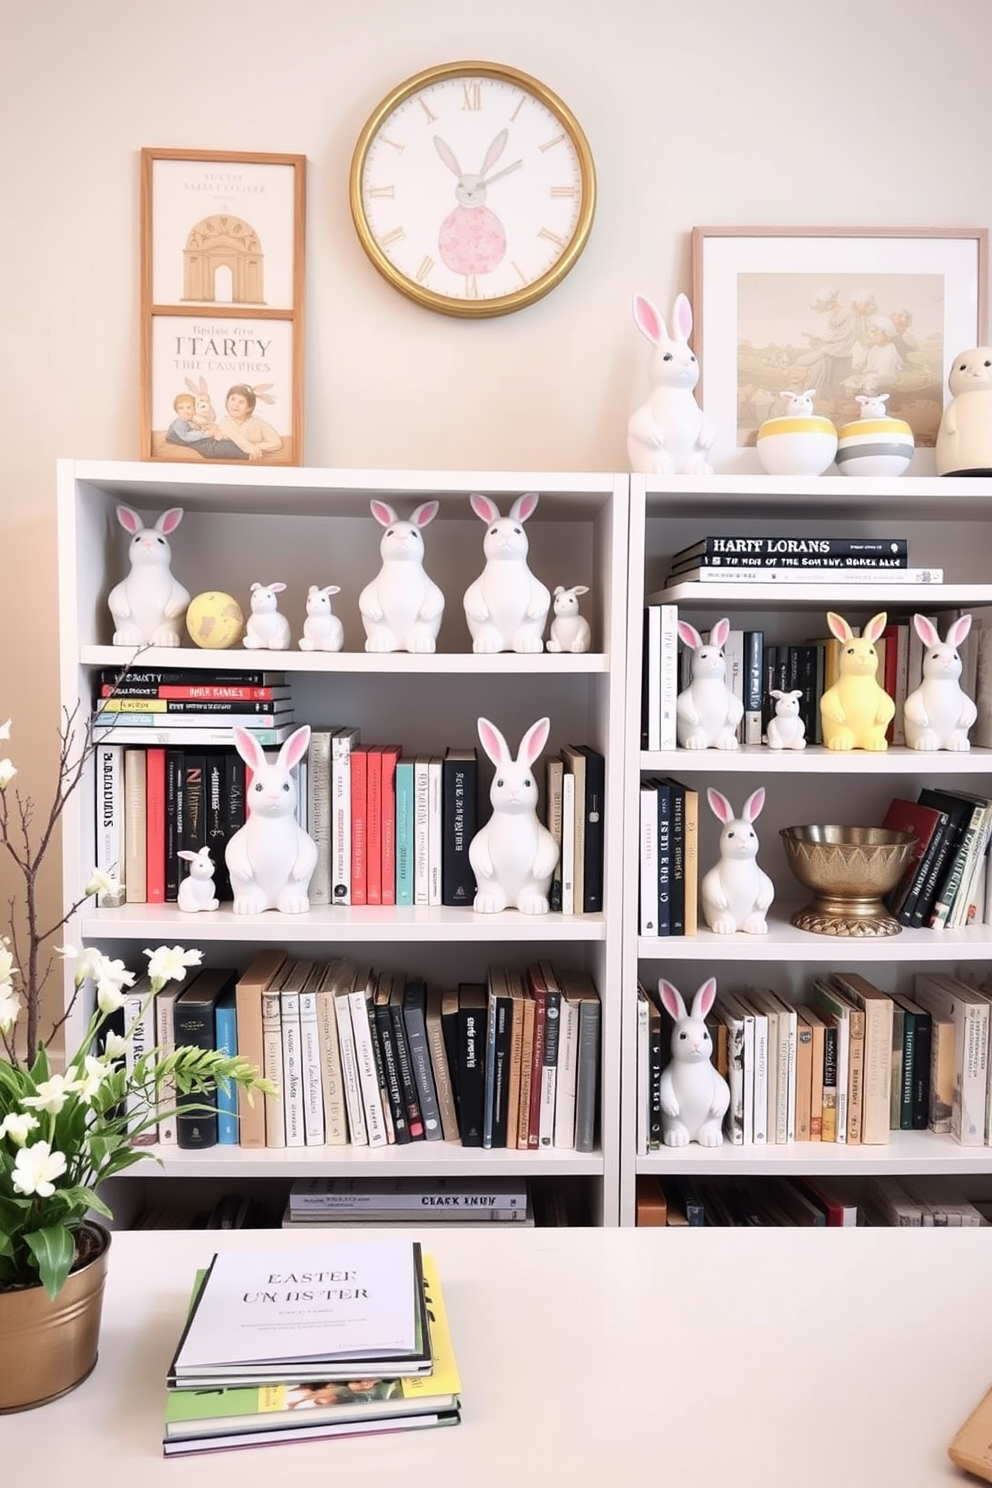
(669, 434)
(514, 855)
(939, 713)
(570, 631)
(694, 1095)
(149, 606)
(402, 608)
(506, 607)
(271, 858)
(322, 630)
(708, 711)
(267, 628)
(736, 894)
(196, 891)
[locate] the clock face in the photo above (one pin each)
(473, 189)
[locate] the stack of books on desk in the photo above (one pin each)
(292, 1345)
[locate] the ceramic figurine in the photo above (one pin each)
(514, 855)
(669, 434)
(707, 712)
(215, 620)
(964, 439)
(271, 858)
(267, 628)
(149, 606)
(856, 710)
(569, 630)
(322, 630)
(939, 713)
(694, 1095)
(196, 891)
(786, 729)
(874, 443)
(402, 608)
(736, 894)
(800, 442)
(506, 607)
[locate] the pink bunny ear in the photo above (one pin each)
(876, 627)
(524, 506)
(484, 508)
(383, 513)
(295, 747)
(958, 631)
(534, 741)
(493, 742)
(689, 635)
(424, 513)
(704, 998)
(249, 749)
(185, 853)
(839, 626)
(169, 520)
(682, 318)
(719, 805)
(671, 1000)
(129, 519)
(719, 633)
(927, 631)
(648, 320)
(754, 805)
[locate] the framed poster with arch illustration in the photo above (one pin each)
(222, 304)
(840, 310)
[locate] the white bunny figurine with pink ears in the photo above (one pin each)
(322, 630)
(939, 713)
(402, 608)
(570, 631)
(669, 434)
(736, 894)
(196, 890)
(271, 858)
(694, 1095)
(149, 606)
(506, 607)
(267, 628)
(514, 855)
(707, 712)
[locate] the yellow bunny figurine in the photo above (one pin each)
(856, 711)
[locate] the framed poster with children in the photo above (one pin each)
(222, 288)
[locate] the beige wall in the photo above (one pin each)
(698, 111)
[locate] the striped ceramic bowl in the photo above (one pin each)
(797, 444)
(874, 446)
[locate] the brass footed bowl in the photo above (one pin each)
(849, 870)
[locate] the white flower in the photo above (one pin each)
(109, 998)
(115, 1046)
(17, 1126)
(7, 772)
(52, 1095)
(89, 960)
(5, 729)
(35, 1168)
(169, 963)
(7, 966)
(87, 1083)
(10, 1006)
(111, 978)
(101, 883)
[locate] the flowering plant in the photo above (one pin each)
(63, 1133)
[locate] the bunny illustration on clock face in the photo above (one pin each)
(472, 189)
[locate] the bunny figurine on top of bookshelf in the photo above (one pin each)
(149, 606)
(939, 713)
(669, 434)
(856, 710)
(402, 607)
(694, 1095)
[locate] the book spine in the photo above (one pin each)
(526, 1072)
(388, 760)
(359, 825)
(349, 1071)
(368, 1077)
(223, 696)
(471, 1074)
(251, 1046)
(568, 1049)
(754, 641)
(226, 1022)
(664, 800)
(553, 793)
(537, 1067)
(332, 1085)
(807, 574)
(828, 1131)
(442, 1073)
(648, 884)
(459, 816)
(155, 825)
(165, 1039)
(435, 829)
(595, 831)
(194, 1026)
(549, 1068)
(416, 1032)
(313, 1098)
(319, 813)
(669, 688)
(109, 844)
(292, 1067)
(139, 1018)
(110, 677)
(373, 826)
(421, 831)
(568, 843)
(408, 1082)
(728, 549)
(217, 831)
(404, 832)
(390, 1065)
(135, 866)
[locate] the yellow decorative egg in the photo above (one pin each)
(215, 621)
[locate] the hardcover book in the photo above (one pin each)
(460, 822)
(195, 1026)
(251, 984)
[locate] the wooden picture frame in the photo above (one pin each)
(223, 273)
(839, 310)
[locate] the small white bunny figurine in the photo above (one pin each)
(736, 894)
(786, 730)
(669, 434)
(694, 1095)
(506, 607)
(872, 405)
(149, 606)
(798, 405)
(196, 891)
(513, 856)
(322, 630)
(402, 608)
(271, 858)
(938, 714)
(707, 712)
(267, 628)
(569, 630)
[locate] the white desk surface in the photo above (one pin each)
(608, 1358)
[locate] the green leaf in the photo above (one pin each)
(54, 1250)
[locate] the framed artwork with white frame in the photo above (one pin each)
(222, 290)
(841, 311)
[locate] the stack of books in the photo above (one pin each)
(294, 1345)
(187, 706)
(803, 560)
(385, 1201)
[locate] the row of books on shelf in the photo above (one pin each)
(851, 1063)
(756, 664)
(720, 558)
(816, 1201)
(375, 1059)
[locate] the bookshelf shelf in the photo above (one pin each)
(907, 1153)
(358, 662)
(785, 943)
(816, 760)
(418, 1160)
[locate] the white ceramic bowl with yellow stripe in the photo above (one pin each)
(797, 444)
(874, 446)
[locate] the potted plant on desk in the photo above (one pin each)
(64, 1132)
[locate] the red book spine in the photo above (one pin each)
(390, 754)
(155, 826)
(206, 694)
(373, 826)
(890, 635)
(359, 826)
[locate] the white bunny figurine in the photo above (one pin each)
(786, 730)
(694, 1095)
(267, 628)
(939, 713)
(322, 630)
(513, 856)
(402, 608)
(149, 605)
(707, 712)
(669, 434)
(569, 630)
(196, 891)
(506, 607)
(736, 894)
(872, 405)
(271, 858)
(798, 405)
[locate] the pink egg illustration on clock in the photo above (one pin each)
(472, 239)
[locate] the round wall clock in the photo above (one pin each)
(473, 189)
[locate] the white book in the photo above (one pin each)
(734, 1124)
(275, 1120)
(765, 1071)
(785, 1074)
(434, 833)
(318, 812)
(792, 1019)
(649, 861)
(643, 1073)
(652, 677)
(108, 765)
(568, 843)
(669, 674)
(338, 972)
(343, 742)
(368, 1076)
(302, 788)
(568, 1049)
(849, 577)
(733, 653)
(349, 1070)
(948, 997)
(292, 1064)
(740, 1010)
(165, 1040)
(421, 830)
(313, 1095)
(139, 1018)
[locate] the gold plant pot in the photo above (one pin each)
(849, 870)
(49, 1345)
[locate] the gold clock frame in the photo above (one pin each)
(501, 304)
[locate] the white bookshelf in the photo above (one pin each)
(303, 526)
(947, 523)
